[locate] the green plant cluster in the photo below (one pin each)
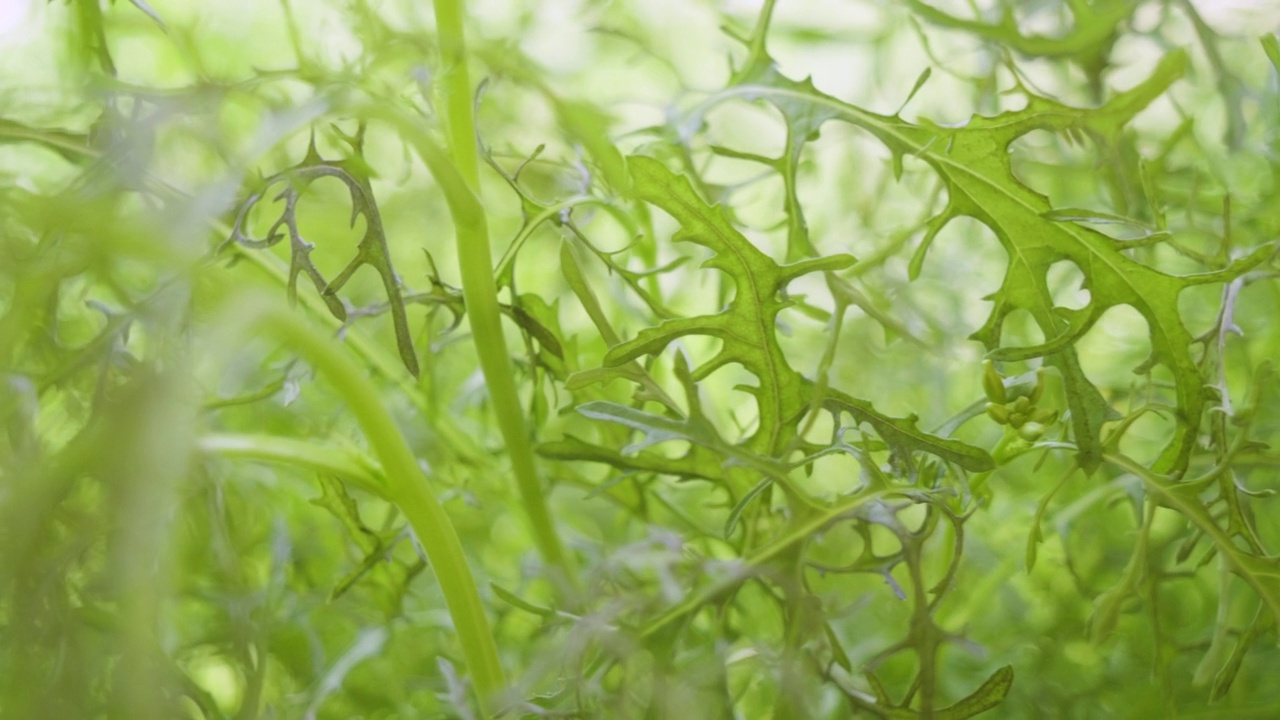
(647, 364)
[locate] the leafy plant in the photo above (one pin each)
(774, 403)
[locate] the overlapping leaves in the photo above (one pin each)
(974, 163)
(747, 332)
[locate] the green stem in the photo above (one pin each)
(455, 84)
(797, 533)
(1000, 453)
(351, 466)
(405, 485)
(479, 290)
(1258, 570)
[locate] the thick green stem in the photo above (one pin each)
(479, 289)
(455, 86)
(405, 485)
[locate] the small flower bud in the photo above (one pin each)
(992, 383)
(998, 412)
(1031, 431)
(1045, 416)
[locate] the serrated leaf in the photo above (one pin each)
(747, 329)
(988, 695)
(1261, 573)
(902, 435)
(974, 163)
(747, 326)
(1088, 41)
(1226, 676)
(804, 120)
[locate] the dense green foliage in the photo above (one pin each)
(379, 359)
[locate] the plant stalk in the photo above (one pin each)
(479, 288)
(405, 485)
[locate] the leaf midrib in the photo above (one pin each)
(769, 382)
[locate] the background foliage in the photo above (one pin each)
(819, 359)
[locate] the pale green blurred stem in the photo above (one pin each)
(455, 85)
(1000, 453)
(406, 486)
(479, 289)
(351, 466)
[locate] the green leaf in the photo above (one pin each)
(974, 163)
(1227, 675)
(902, 435)
(1271, 46)
(990, 694)
(1262, 573)
(1088, 40)
(516, 601)
(372, 250)
(1084, 215)
(695, 430)
(747, 330)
